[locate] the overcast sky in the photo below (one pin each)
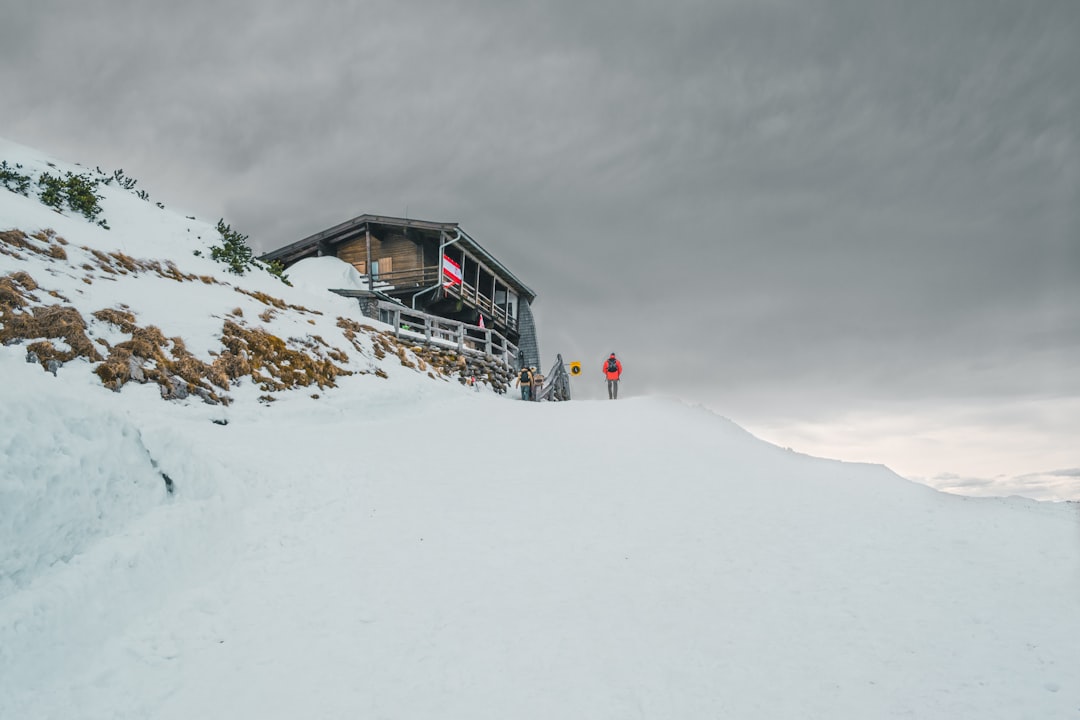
(831, 209)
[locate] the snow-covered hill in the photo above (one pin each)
(406, 547)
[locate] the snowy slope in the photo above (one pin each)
(408, 548)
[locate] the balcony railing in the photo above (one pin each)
(426, 277)
(435, 330)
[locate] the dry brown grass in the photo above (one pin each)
(13, 240)
(149, 356)
(122, 319)
(276, 366)
(16, 290)
(118, 263)
(351, 330)
(52, 322)
(276, 302)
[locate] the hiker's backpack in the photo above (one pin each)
(525, 375)
(612, 365)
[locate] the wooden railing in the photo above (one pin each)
(428, 277)
(556, 385)
(483, 303)
(417, 277)
(434, 330)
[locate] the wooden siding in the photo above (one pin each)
(402, 252)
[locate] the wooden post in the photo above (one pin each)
(367, 243)
(397, 323)
(501, 314)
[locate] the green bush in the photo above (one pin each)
(123, 181)
(82, 195)
(235, 252)
(14, 180)
(277, 269)
(79, 192)
(52, 191)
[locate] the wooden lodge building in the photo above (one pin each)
(419, 273)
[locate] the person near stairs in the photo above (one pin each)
(525, 381)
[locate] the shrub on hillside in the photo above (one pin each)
(235, 253)
(234, 250)
(14, 180)
(78, 192)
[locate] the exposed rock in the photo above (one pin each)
(135, 371)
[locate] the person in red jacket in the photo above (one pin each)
(612, 371)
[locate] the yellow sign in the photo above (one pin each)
(575, 368)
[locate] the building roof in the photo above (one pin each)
(351, 229)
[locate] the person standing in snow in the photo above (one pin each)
(524, 381)
(612, 371)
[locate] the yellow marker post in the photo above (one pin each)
(575, 368)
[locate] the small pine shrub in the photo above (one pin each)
(123, 181)
(82, 195)
(14, 180)
(78, 192)
(233, 251)
(52, 191)
(277, 269)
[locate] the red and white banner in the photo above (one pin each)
(451, 272)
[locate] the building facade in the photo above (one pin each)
(431, 267)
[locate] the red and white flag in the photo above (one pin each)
(481, 323)
(451, 272)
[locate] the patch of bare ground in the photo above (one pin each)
(20, 320)
(276, 302)
(16, 290)
(149, 356)
(45, 243)
(118, 263)
(276, 366)
(352, 330)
